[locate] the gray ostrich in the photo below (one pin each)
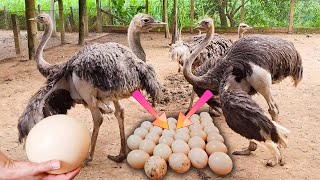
(96, 75)
(269, 60)
(216, 48)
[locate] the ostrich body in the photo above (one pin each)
(244, 116)
(95, 76)
(267, 60)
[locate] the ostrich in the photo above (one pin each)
(244, 116)
(96, 75)
(270, 60)
(242, 28)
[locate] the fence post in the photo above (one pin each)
(191, 15)
(40, 27)
(71, 18)
(86, 21)
(31, 28)
(147, 6)
(291, 16)
(61, 19)
(6, 25)
(16, 34)
(99, 17)
(82, 4)
(165, 18)
(175, 23)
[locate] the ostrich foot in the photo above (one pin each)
(214, 113)
(86, 161)
(271, 162)
(117, 158)
(247, 151)
(274, 114)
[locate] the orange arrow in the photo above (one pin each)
(161, 121)
(184, 121)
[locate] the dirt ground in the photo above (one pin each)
(299, 112)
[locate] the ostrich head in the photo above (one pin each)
(179, 52)
(206, 25)
(243, 28)
(145, 22)
(42, 18)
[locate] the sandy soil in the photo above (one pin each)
(299, 112)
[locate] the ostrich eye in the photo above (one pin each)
(145, 20)
(41, 17)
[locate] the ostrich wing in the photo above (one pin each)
(49, 100)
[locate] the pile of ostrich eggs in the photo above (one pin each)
(59, 137)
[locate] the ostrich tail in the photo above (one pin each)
(149, 82)
(297, 77)
(282, 133)
(46, 102)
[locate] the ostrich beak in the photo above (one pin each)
(157, 23)
(32, 19)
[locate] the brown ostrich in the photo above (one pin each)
(95, 76)
(268, 60)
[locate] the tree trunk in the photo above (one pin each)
(5, 14)
(71, 18)
(16, 34)
(109, 17)
(292, 2)
(165, 18)
(31, 28)
(191, 15)
(242, 10)
(147, 7)
(175, 22)
(99, 16)
(61, 17)
(82, 5)
(54, 32)
(222, 12)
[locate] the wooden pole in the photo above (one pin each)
(86, 21)
(291, 16)
(191, 15)
(71, 18)
(242, 10)
(61, 18)
(54, 31)
(16, 34)
(99, 16)
(82, 5)
(40, 27)
(175, 22)
(31, 28)
(165, 18)
(5, 13)
(147, 7)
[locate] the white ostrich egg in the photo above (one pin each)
(59, 137)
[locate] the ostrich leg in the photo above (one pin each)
(119, 113)
(97, 121)
(247, 151)
(191, 100)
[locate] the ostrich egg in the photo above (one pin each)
(59, 137)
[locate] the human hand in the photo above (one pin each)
(28, 170)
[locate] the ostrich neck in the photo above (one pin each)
(187, 68)
(240, 33)
(134, 42)
(42, 64)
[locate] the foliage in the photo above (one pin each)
(258, 13)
